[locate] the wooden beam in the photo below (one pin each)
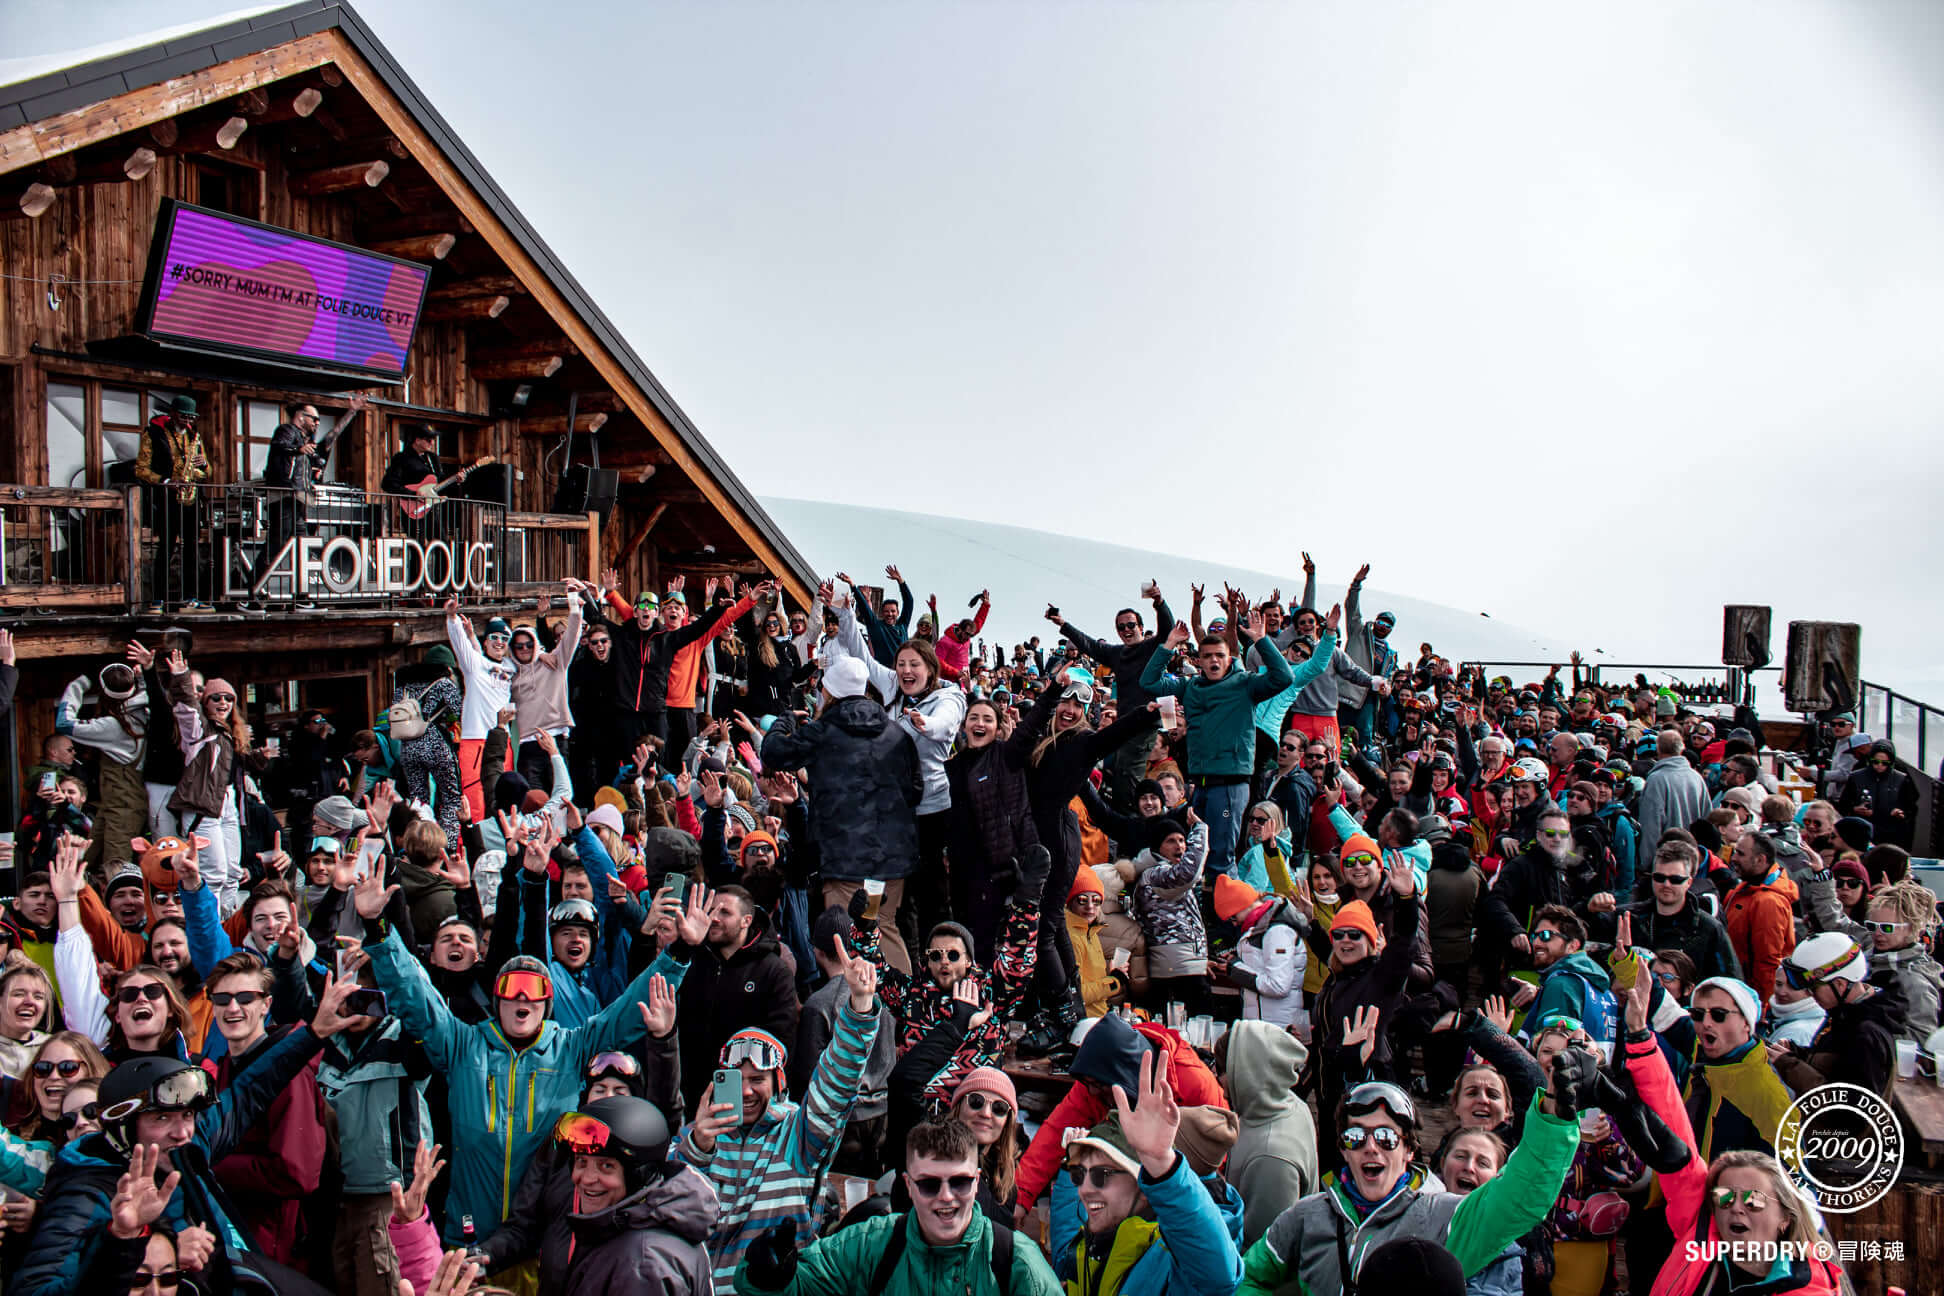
(253, 102)
(467, 308)
(380, 99)
(417, 247)
(19, 201)
(330, 76)
(199, 135)
(70, 168)
(481, 286)
(556, 424)
(527, 348)
(635, 537)
(529, 367)
(413, 226)
(65, 132)
(340, 179)
(295, 107)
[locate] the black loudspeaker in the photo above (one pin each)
(1745, 635)
(1823, 670)
(489, 484)
(587, 490)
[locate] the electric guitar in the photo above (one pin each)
(428, 489)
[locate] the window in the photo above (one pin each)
(94, 431)
(67, 435)
(256, 424)
(231, 189)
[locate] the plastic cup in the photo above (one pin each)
(1907, 1059)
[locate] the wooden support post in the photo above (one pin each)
(253, 102)
(340, 179)
(466, 308)
(19, 201)
(556, 424)
(518, 367)
(417, 247)
(593, 572)
(635, 538)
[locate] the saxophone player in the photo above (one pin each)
(172, 462)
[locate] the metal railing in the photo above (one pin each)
(1886, 713)
(221, 545)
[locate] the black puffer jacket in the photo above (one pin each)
(864, 787)
(755, 986)
(1691, 931)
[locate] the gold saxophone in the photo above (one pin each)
(195, 468)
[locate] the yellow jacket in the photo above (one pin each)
(1097, 984)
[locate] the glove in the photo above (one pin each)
(1659, 1148)
(860, 901)
(772, 1258)
(1032, 875)
(1575, 1075)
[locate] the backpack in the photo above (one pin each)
(887, 1265)
(405, 721)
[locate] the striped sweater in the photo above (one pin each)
(767, 1173)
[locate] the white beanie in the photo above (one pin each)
(845, 678)
(1745, 998)
(606, 816)
(1827, 955)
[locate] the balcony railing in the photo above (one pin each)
(239, 546)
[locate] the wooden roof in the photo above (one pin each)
(49, 117)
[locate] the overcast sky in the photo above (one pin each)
(1590, 316)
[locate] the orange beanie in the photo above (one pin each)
(1357, 916)
(1086, 882)
(1358, 844)
(1233, 896)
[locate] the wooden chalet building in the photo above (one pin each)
(226, 160)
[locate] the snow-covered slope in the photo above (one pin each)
(1089, 581)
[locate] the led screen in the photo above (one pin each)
(217, 281)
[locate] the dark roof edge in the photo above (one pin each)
(130, 70)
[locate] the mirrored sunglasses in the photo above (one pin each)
(1383, 1136)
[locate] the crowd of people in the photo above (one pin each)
(1234, 953)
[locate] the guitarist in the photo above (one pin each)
(417, 462)
(295, 464)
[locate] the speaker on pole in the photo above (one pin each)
(1823, 670)
(1745, 635)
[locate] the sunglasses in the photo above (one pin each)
(932, 1185)
(1856, 883)
(944, 956)
(1668, 979)
(1098, 1176)
(497, 638)
(229, 698)
(1258, 819)
(521, 984)
(1753, 1198)
(243, 998)
(1126, 626)
(1359, 861)
(597, 643)
(137, 993)
(1357, 1135)
(1880, 763)
(1716, 1015)
(1346, 935)
(167, 1279)
(68, 1067)
(1545, 934)
(759, 848)
(1555, 833)
(978, 1102)
(1884, 927)
(1671, 879)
